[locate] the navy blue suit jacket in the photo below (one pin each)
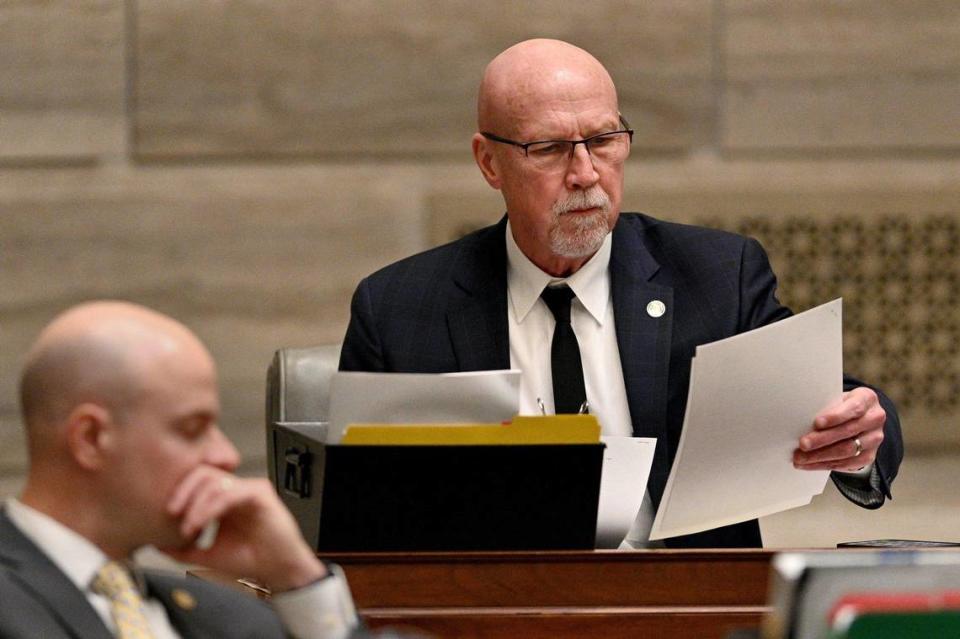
(445, 310)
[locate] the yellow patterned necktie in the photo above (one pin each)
(114, 582)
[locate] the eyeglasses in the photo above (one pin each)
(611, 147)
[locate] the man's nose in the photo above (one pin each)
(221, 452)
(581, 173)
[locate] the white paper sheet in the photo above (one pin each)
(626, 467)
(751, 398)
(412, 398)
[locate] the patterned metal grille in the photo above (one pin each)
(899, 279)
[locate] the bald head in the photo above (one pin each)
(562, 200)
(98, 353)
(528, 74)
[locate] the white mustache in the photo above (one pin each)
(593, 198)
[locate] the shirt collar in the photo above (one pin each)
(77, 557)
(525, 280)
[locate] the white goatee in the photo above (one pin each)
(576, 235)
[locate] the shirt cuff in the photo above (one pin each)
(862, 488)
(321, 610)
(863, 472)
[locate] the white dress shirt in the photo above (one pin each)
(322, 610)
(531, 327)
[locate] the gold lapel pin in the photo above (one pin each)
(183, 599)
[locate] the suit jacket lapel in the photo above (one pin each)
(643, 341)
(477, 316)
(37, 574)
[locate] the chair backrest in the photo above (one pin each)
(298, 389)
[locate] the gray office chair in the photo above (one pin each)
(298, 390)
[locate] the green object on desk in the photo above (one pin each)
(902, 625)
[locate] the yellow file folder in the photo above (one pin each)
(522, 429)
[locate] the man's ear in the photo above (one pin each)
(90, 434)
(485, 159)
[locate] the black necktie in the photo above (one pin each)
(569, 393)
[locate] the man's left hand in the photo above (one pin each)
(845, 436)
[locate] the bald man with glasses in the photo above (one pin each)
(602, 311)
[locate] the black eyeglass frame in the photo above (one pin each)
(573, 143)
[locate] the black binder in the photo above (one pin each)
(435, 498)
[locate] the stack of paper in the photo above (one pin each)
(751, 398)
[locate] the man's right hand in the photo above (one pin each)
(258, 536)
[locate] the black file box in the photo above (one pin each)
(435, 498)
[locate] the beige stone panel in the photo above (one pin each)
(10, 486)
(251, 258)
(62, 79)
(395, 77)
(243, 347)
(17, 332)
(822, 74)
(281, 232)
(14, 455)
(460, 201)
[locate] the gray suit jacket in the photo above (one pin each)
(38, 600)
(446, 310)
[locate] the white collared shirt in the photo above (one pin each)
(321, 610)
(531, 327)
(79, 560)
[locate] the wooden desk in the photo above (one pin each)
(660, 594)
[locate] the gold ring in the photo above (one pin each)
(856, 441)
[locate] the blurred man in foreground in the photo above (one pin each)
(120, 406)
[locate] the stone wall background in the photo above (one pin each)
(241, 165)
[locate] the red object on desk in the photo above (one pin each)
(859, 603)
